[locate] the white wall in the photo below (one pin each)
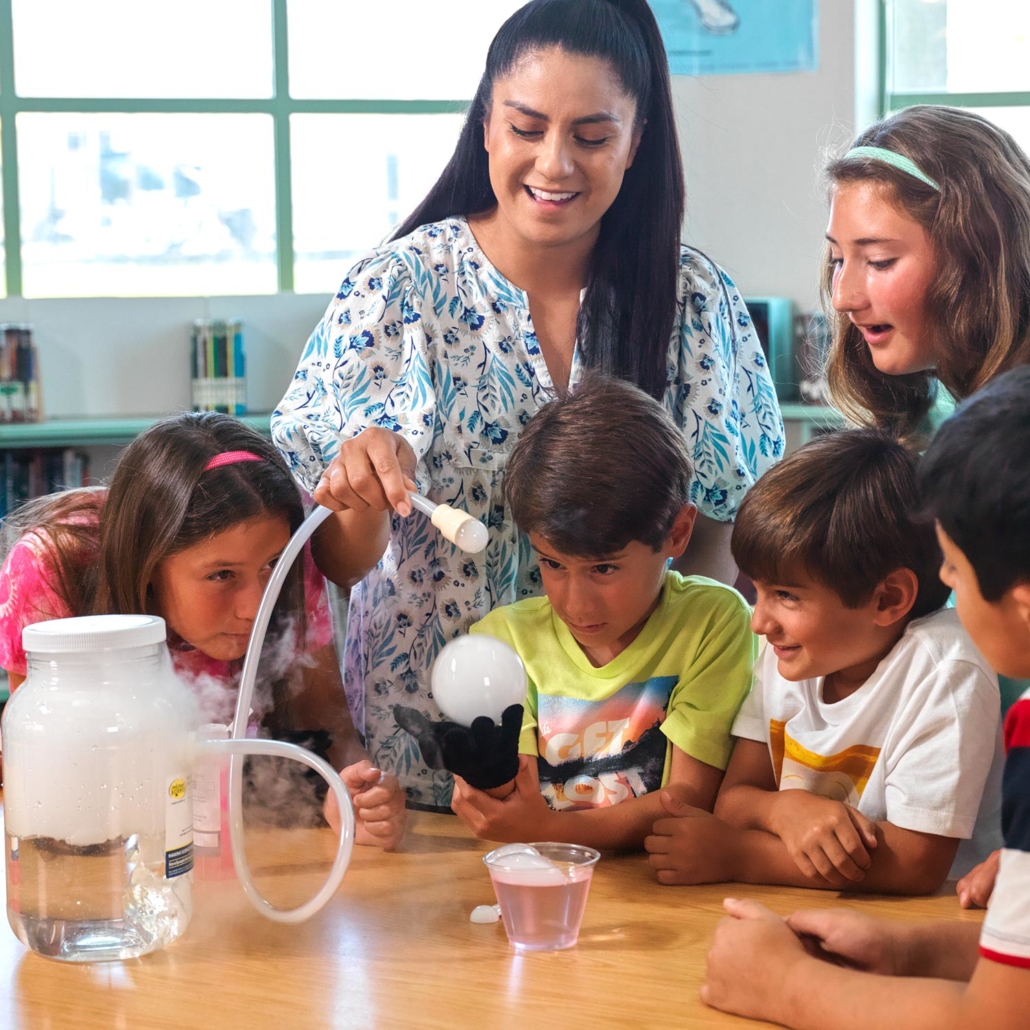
(751, 146)
(752, 151)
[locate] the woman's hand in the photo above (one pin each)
(374, 470)
(379, 812)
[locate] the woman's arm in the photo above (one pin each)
(364, 484)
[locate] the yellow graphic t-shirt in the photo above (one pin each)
(602, 735)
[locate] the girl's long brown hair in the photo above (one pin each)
(978, 306)
(160, 502)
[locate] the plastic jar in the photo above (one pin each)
(98, 807)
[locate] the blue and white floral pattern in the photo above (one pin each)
(428, 339)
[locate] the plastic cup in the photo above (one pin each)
(542, 907)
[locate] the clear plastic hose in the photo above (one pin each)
(238, 746)
(461, 529)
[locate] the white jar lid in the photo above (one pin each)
(93, 633)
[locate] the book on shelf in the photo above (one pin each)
(218, 367)
(28, 474)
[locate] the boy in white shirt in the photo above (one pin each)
(838, 968)
(872, 727)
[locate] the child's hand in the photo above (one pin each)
(824, 837)
(379, 812)
(975, 888)
(692, 847)
(523, 815)
(752, 956)
(848, 938)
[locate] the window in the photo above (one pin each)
(234, 147)
(966, 53)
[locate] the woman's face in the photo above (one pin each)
(210, 592)
(560, 134)
(883, 264)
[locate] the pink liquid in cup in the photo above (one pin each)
(542, 893)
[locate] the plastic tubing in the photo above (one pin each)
(239, 745)
(457, 526)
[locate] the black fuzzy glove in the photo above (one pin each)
(483, 754)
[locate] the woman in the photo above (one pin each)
(550, 244)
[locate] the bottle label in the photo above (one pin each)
(178, 827)
(207, 805)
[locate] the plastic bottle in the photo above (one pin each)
(98, 810)
(212, 849)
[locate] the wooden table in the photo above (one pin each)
(395, 948)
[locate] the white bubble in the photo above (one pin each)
(485, 914)
(513, 849)
(477, 675)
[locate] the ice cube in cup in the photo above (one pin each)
(542, 892)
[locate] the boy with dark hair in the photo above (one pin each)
(865, 745)
(635, 672)
(854, 972)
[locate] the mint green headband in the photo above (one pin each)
(899, 161)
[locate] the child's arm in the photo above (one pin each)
(523, 814)
(697, 847)
(758, 968)
(379, 812)
(821, 835)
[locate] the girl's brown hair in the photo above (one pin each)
(978, 305)
(160, 501)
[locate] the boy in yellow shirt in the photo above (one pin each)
(635, 672)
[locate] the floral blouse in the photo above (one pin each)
(426, 338)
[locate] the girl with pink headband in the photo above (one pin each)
(197, 512)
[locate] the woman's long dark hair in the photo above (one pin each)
(627, 314)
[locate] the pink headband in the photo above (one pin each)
(230, 458)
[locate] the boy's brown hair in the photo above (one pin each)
(598, 468)
(840, 510)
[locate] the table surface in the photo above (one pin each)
(395, 948)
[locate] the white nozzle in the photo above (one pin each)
(460, 528)
(455, 525)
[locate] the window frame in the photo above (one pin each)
(280, 106)
(890, 102)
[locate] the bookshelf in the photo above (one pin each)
(89, 432)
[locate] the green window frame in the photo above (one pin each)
(890, 101)
(280, 106)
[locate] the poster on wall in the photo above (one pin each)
(716, 37)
